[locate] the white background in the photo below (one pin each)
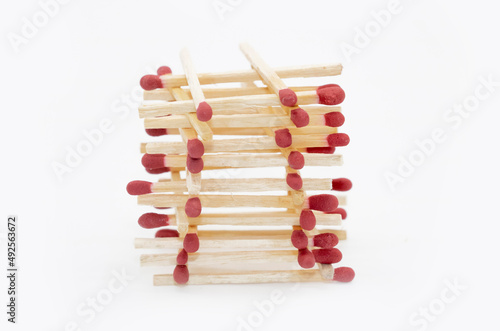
(438, 225)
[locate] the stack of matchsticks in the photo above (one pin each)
(273, 125)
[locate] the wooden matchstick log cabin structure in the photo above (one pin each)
(275, 231)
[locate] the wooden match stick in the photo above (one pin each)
(227, 239)
(218, 201)
(251, 76)
(220, 92)
(237, 145)
(308, 130)
(234, 105)
(253, 160)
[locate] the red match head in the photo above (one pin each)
(330, 94)
(204, 112)
(191, 242)
(334, 119)
(343, 274)
(166, 233)
(306, 258)
(321, 150)
(193, 207)
(283, 138)
(151, 82)
(163, 70)
(299, 239)
(158, 170)
(287, 97)
(156, 132)
(181, 274)
(182, 257)
(139, 187)
(323, 202)
(195, 148)
(327, 255)
(341, 184)
(299, 117)
(338, 139)
(294, 181)
(153, 220)
(340, 211)
(153, 161)
(296, 160)
(325, 240)
(194, 165)
(307, 220)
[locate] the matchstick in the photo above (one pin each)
(308, 130)
(305, 71)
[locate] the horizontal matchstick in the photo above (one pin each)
(231, 239)
(306, 71)
(243, 219)
(220, 201)
(237, 144)
(252, 160)
(233, 105)
(307, 130)
(220, 92)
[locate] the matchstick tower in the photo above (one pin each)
(292, 235)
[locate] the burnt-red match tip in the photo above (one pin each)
(299, 239)
(323, 202)
(307, 220)
(195, 148)
(330, 94)
(158, 170)
(343, 274)
(194, 165)
(191, 242)
(306, 258)
(338, 139)
(153, 220)
(321, 150)
(156, 132)
(182, 257)
(204, 112)
(151, 82)
(181, 274)
(327, 255)
(340, 211)
(334, 119)
(163, 70)
(139, 187)
(153, 161)
(299, 117)
(296, 160)
(166, 233)
(287, 97)
(341, 184)
(294, 181)
(283, 138)
(325, 240)
(193, 207)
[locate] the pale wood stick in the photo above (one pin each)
(242, 185)
(242, 239)
(234, 105)
(237, 145)
(220, 92)
(259, 219)
(245, 277)
(192, 78)
(218, 201)
(208, 259)
(250, 75)
(254, 160)
(180, 215)
(307, 130)
(257, 120)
